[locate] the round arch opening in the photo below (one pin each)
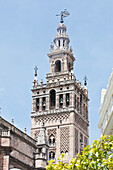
(52, 99)
(58, 66)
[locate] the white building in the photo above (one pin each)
(106, 109)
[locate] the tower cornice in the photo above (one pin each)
(57, 52)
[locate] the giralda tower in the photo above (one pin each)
(61, 104)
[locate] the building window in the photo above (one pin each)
(58, 43)
(52, 141)
(52, 99)
(39, 150)
(58, 66)
(67, 99)
(37, 104)
(51, 155)
(61, 100)
(86, 112)
(63, 43)
(80, 99)
(81, 140)
(43, 103)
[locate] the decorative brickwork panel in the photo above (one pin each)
(81, 123)
(64, 139)
(76, 141)
(53, 118)
(51, 132)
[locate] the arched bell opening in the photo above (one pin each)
(58, 66)
(51, 140)
(52, 99)
(51, 155)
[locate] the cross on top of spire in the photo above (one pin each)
(36, 68)
(85, 81)
(63, 14)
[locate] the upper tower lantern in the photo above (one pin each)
(61, 40)
(61, 56)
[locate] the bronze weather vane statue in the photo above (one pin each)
(63, 14)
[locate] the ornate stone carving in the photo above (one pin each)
(64, 139)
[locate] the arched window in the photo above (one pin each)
(67, 99)
(61, 100)
(52, 141)
(58, 43)
(80, 99)
(52, 99)
(58, 66)
(63, 43)
(51, 155)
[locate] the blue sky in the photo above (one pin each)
(27, 28)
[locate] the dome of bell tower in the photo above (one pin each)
(61, 26)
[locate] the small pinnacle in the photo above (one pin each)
(25, 130)
(85, 81)
(71, 49)
(51, 45)
(12, 121)
(41, 81)
(36, 68)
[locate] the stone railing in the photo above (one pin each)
(15, 130)
(5, 133)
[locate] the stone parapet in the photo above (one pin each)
(6, 125)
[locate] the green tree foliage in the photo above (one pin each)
(97, 157)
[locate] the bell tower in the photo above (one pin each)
(61, 57)
(61, 104)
